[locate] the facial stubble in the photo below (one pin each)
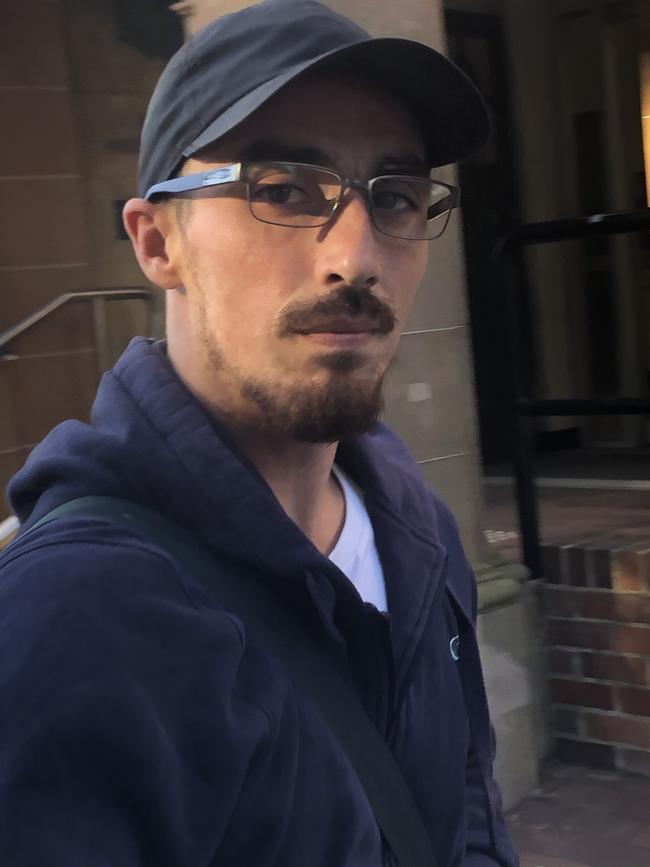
(338, 404)
(338, 408)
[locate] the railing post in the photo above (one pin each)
(521, 427)
(100, 324)
(523, 436)
(524, 409)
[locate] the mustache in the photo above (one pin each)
(349, 302)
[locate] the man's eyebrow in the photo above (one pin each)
(403, 164)
(274, 150)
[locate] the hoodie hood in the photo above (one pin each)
(150, 441)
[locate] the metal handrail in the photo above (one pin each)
(86, 295)
(573, 229)
(524, 407)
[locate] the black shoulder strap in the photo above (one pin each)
(395, 811)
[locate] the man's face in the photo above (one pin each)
(292, 329)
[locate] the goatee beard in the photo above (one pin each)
(338, 411)
(347, 405)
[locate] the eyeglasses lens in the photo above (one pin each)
(410, 208)
(289, 195)
(306, 196)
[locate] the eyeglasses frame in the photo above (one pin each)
(237, 172)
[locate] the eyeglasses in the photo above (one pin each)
(304, 196)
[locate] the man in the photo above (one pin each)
(286, 204)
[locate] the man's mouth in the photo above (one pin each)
(342, 326)
(342, 332)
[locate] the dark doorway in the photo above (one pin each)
(490, 205)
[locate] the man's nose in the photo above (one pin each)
(349, 250)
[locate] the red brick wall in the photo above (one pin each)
(597, 605)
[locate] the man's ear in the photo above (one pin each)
(148, 226)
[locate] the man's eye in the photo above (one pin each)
(279, 194)
(392, 201)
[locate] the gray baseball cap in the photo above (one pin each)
(231, 67)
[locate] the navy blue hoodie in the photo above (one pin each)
(138, 723)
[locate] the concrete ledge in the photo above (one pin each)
(510, 653)
(499, 584)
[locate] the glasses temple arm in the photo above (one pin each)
(197, 181)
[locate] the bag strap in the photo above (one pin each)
(332, 691)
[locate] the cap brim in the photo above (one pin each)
(451, 112)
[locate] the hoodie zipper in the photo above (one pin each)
(378, 668)
(386, 695)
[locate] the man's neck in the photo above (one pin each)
(300, 476)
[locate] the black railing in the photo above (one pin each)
(524, 407)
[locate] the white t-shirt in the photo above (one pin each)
(355, 552)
